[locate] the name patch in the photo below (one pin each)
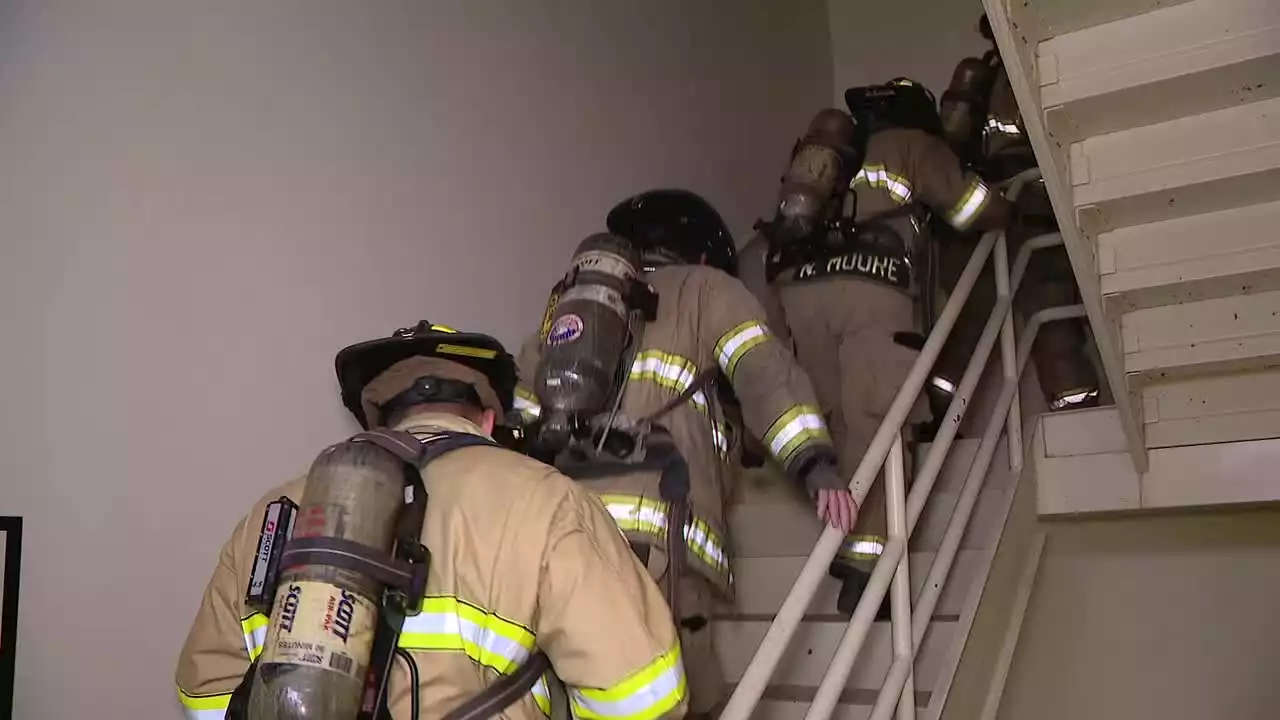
(881, 267)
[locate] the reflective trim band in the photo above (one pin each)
(970, 204)
(876, 176)
(668, 370)
(994, 125)
(451, 625)
(735, 344)
(650, 693)
(862, 547)
(526, 403)
(943, 384)
(204, 707)
(542, 695)
(793, 430)
(636, 514)
(677, 373)
(255, 634)
(1073, 398)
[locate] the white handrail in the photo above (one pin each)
(974, 480)
(888, 437)
(756, 676)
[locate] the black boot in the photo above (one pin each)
(853, 582)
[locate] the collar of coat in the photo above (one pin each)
(427, 422)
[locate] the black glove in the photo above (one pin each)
(824, 475)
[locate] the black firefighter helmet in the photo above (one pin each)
(901, 102)
(470, 359)
(678, 224)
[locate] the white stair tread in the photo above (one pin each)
(1166, 262)
(1133, 176)
(1178, 61)
(1059, 17)
(809, 653)
(763, 583)
(1224, 334)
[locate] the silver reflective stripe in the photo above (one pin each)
(662, 691)
(994, 125)
(1072, 398)
(735, 344)
(943, 384)
(636, 514)
(970, 205)
(876, 176)
(676, 373)
(204, 707)
(794, 428)
(448, 624)
(864, 547)
(255, 634)
(542, 695)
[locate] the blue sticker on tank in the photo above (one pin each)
(565, 329)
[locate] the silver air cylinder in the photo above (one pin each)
(587, 336)
(815, 171)
(319, 641)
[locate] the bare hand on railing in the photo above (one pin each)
(835, 503)
(837, 509)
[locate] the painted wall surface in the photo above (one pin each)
(919, 39)
(200, 203)
(1152, 617)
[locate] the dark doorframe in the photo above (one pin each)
(11, 527)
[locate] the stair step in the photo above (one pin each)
(1059, 17)
(791, 702)
(1170, 262)
(763, 583)
(1229, 334)
(1204, 163)
(790, 529)
(1192, 58)
(810, 651)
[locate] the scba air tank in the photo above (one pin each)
(319, 642)
(587, 335)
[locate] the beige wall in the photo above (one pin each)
(201, 202)
(1157, 617)
(922, 39)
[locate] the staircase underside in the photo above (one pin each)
(1157, 125)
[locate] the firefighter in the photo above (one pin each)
(981, 121)
(704, 325)
(524, 558)
(838, 270)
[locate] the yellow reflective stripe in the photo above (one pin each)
(451, 625)
(650, 693)
(735, 344)
(970, 204)
(793, 430)
(666, 369)
(255, 634)
(862, 547)
(204, 707)
(677, 373)
(526, 403)
(542, 695)
(875, 175)
(636, 514)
